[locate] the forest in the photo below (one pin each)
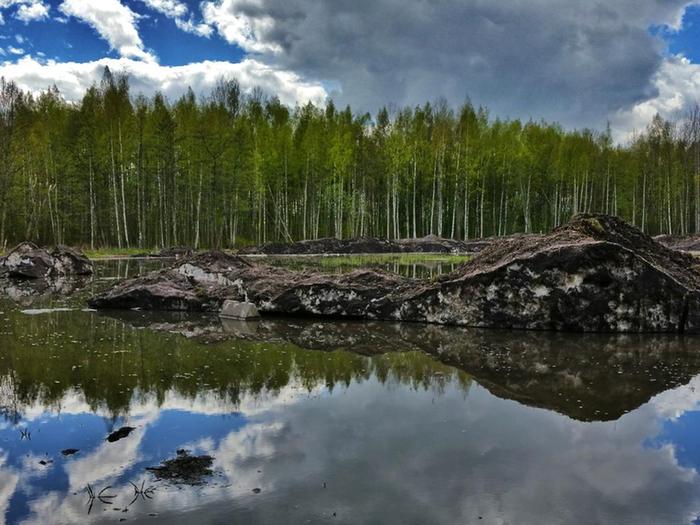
(231, 169)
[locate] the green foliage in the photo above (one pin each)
(233, 169)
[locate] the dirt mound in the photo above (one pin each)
(596, 273)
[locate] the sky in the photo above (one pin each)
(579, 63)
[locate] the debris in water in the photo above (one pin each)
(143, 492)
(40, 311)
(119, 434)
(100, 496)
(185, 468)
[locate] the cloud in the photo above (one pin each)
(190, 26)
(26, 10)
(178, 11)
(574, 62)
(32, 12)
(73, 78)
(15, 50)
(231, 20)
(677, 87)
(170, 8)
(114, 22)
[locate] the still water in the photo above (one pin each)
(318, 422)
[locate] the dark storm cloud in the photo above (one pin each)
(576, 62)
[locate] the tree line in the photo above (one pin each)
(234, 168)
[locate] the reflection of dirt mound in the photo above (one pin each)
(120, 434)
(588, 377)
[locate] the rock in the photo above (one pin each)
(595, 274)
(239, 310)
(71, 261)
(28, 261)
(196, 284)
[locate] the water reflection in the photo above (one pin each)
(343, 422)
(428, 267)
(589, 377)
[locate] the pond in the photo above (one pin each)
(336, 422)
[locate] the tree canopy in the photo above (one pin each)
(235, 168)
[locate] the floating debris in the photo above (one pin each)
(40, 311)
(185, 468)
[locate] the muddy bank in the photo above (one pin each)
(174, 252)
(595, 274)
(371, 245)
(685, 243)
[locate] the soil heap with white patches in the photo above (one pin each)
(594, 274)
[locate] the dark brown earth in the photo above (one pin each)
(595, 274)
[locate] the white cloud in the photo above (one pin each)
(114, 22)
(27, 10)
(677, 87)
(178, 11)
(73, 78)
(236, 27)
(15, 50)
(170, 8)
(190, 26)
(32, 12)
(601, 56)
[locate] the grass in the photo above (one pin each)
(335, 261)
(101, 253)
(324, 261)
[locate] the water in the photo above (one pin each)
(417, 266)
(339, 422)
